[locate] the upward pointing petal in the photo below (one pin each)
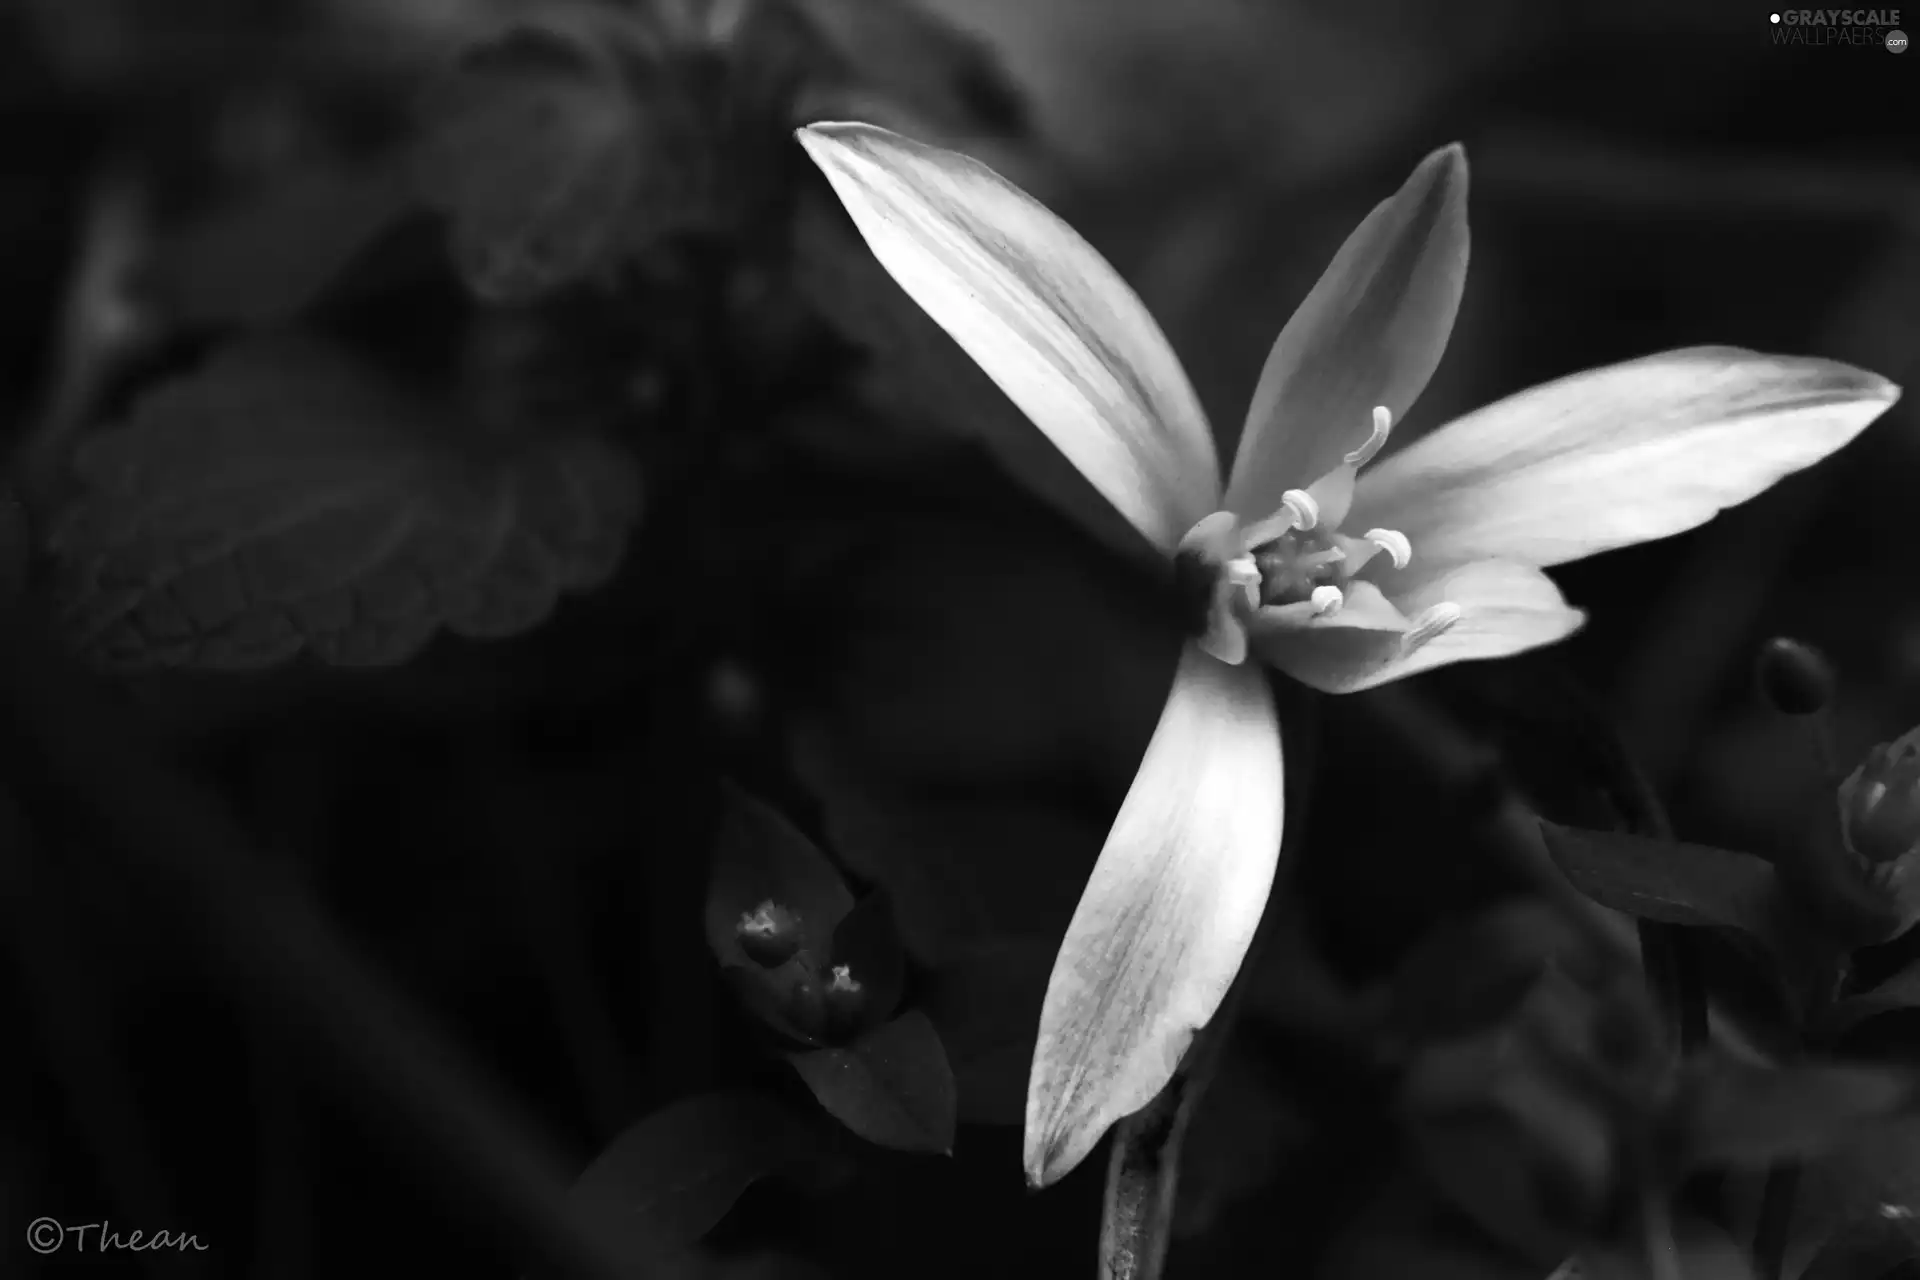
(1166, 918)
(1370, 333)
(1041, 312)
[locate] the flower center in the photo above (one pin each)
(1290, 569)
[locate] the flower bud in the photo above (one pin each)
(1866, 885)
(845, 999)
(1794, 677)
(769, 934)
(1880, 802)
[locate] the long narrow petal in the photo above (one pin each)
(1619, 455)
(1041, 312)
(1370, 333)
(1505, 608)
(1167, 916)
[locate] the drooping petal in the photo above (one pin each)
(1370, 333)
(1504, 608)
(1041, 312)
(1167, 915)
(1615, 456)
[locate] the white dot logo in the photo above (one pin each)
(1774, 18)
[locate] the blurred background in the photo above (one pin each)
(559, 455)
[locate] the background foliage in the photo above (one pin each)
(479, 525)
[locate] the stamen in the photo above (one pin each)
(1326, 601)
(1382, 424)
(1315, 559)
(843, 979)
(1301, 506)
(1428, 625)
(1394, 543)
(1245, 574)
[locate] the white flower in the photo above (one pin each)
(1453, 532)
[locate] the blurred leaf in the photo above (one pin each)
(286, 497)
(892, 1086)
(1740, 1116)
(1667, 881)
(760, 857)
(942, 79)
(1870, 1249)
(531, 143)
(272, 251)
(1900, 992)
(868, 944)
(985, 1000)
(1517, 1146)
(1466, 975)
(675, 1174)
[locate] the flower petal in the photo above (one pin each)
(1615, 456)
(1166, 917)
(1370, 333)
(1505, 608)
(1041, 312)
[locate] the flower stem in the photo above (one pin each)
(1772, 1232)
(1663, 1254)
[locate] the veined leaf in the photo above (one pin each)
(286, 497)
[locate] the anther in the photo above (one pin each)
(1244, 574)
(1394, 543)
(1382, 424)
(1301, 506)
(843, 980)
(1326, 601)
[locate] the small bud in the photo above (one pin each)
(1794, 677)
(1864, 885)
(1880, 802)
(769, 934)
(845, 1000)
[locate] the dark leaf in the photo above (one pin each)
(530, 143)
(759, 858)
(675, 1174)
(267, 254)
(1900, 992)
(938, 76)
(1740, 1116)
(892, 1086)
(1870, 1249)
(986, 1002)
(286, 497)
(1667, 881)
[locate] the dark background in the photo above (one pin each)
(284, 936)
